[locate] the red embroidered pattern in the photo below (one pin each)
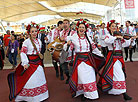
(71, 46)
(65, 34)
(80, 44)
(90, 87)
(119, 85)
(24, 49)
(122, 41)
(106, 37)
(87, 44)
(33, 92)
(50, 33)
(93, 46)
(56, 33)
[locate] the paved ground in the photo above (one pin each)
(59, 91)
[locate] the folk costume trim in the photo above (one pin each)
(34, 91)
(89, 87)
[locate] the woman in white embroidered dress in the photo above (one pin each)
(114, 71)
(83, 78)
(35, 89)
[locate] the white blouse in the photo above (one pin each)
(28, 49)
(112, 41)
(82, 45)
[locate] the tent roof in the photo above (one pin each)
(16, 10)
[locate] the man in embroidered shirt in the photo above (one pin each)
(102, 33)
(65, 36)
(50, 38)
(129, 30)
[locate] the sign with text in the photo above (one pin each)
(129, 4)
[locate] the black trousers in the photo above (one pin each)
(130, 52)
(105, 51)
(56, 67)
(65, 68)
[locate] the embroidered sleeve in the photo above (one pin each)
(73, 32)
(93, 46)
(24, 49)
(50, 33)
(49, 37)
(23, 54)
(109, 39)
(71, 46)
(97, 52)
(122, 41)
(106, 37)
(126, 43)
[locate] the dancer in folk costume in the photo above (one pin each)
(83, 79)
(113, 74)
(64, 35)
(29, 82)
(52, 36)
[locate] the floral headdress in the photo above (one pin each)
(32, 25)
(98, 26)
(82, 21)
(110, 22)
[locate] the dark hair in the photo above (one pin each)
(59, 22)
(12, 31)
(131, 24)
(121, 25)
(15, 36)
(7, 31)
(102, 24)
(128, 22)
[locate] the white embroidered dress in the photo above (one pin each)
(86, 73)
(35, 90)
(119, 84)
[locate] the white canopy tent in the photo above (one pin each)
(41, 11)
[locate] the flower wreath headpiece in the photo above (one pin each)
(32, 25)
(110, 22)
(98, 26)
(82, 21)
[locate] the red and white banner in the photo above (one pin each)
(129, 4)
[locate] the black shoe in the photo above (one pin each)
(73, 95)
(126, 59)
(57, 74)
(61, 77)
(83, 98)
(131, 60)
(67, 81)
(126, 97)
